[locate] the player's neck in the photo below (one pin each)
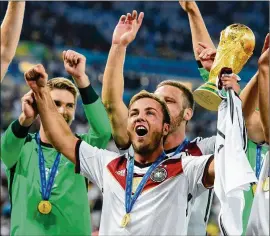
(175, 138)
(42, 134)
(148, 157)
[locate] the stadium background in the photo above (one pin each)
(162, 50)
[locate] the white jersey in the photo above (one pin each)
(198, 210)
(259, 216)
(233, 173)
(199, 207)
(161, 207)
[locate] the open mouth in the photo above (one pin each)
(141, 130)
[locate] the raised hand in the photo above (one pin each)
(231, 82)
(264, 58)
(127, 28)
(36, 78)
(187, 6)
(28, 106)
(74, 64)
(206, 55)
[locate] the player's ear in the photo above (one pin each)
(166, 129)
(188, 113)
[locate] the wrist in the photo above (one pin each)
(88, 95)
(82, 81)
(25, 121)
(119, 46)
(193, 10)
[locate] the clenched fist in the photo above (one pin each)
(29, 109)
(36, 78)
(74, 63)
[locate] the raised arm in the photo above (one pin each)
(55, 126)
(199, 32)
(14, 137)
(99, 132)
(113, 79)
(255, 95)
(10, 33)
(263, 88)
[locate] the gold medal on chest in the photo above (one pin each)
(44, 207)
(125, 220)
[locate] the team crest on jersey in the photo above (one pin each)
(121, 172)
(159, 174)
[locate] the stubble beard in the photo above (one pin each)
(150, 147)
(176, 122)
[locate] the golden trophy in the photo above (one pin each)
(236, 46)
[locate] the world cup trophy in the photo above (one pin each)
(236, 46)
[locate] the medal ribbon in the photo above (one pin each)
(181, 147)
(258, 160)
(46, 189)
(129, 200)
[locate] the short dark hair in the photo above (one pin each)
(145, 94)
(188, 96)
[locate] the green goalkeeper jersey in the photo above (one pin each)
(70, 214)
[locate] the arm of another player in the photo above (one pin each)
(113, 79)
(99, 132)
(10, 33)
(14, 137)
(255, 95)
(263, 88)
(199, 32)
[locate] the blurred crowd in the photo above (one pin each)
(165, 32)
(89, 25)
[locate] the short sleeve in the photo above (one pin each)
(193, 167)
(91, 161)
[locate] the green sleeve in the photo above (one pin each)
(99, 132)
(12, 143)
(204, 74)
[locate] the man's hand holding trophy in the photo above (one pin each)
(236, 46)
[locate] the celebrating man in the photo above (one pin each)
(158, 203)
(179, 100)
(47, 197)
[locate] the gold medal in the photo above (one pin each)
(125, 220)
(266, 185)
(44, 207)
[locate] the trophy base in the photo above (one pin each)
(207, 96)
